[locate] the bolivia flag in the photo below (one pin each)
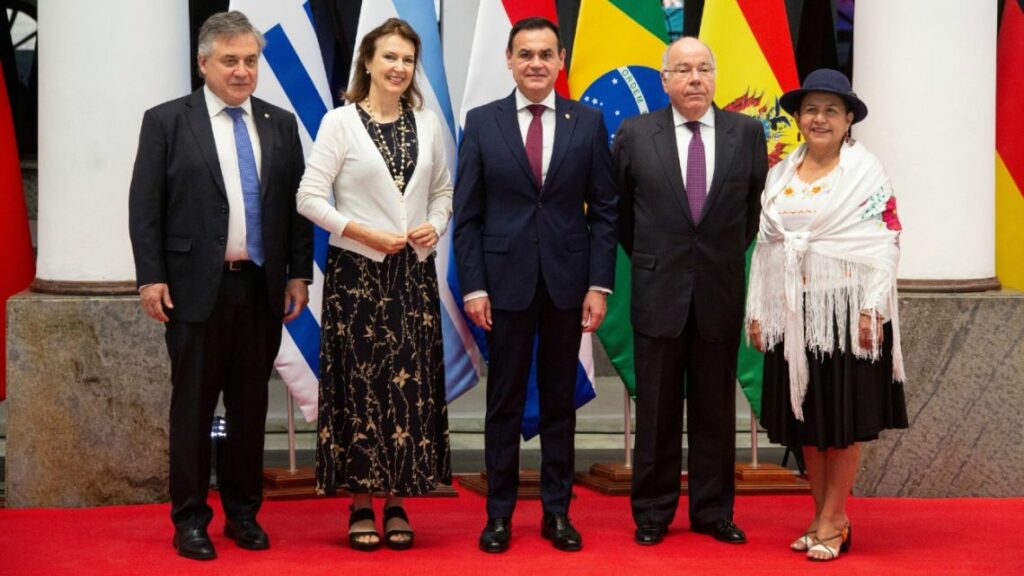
(19, 262)
(616, 67)
(754, 58)
(1010, 148)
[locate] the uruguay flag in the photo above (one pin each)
(462, 359)
(292, 76)
(489, 79)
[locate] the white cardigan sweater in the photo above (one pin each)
(346, 164)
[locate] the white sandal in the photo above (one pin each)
(845, 539)
(803, 543)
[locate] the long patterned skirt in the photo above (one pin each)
(383, 419)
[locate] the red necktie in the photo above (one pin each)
(535, 143)
(696, 173)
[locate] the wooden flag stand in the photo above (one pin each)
(529, 484)
(615, 479)
(293, 482)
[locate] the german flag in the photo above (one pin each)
(1010, 147)
(754, 57)
(616, 67)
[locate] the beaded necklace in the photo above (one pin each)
(396, 155)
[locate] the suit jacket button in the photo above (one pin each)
(222, 240)
(540, 204)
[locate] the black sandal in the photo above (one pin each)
(390, 540)
(358, 515)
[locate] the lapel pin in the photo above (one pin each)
(566, 115)
(266, 115)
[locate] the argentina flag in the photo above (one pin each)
(292, 76)
(462, 358)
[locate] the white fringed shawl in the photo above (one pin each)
(807, 286)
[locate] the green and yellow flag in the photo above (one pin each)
(755, 62)
(616, 66)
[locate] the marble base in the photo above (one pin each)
(88, 388)
(964, 355)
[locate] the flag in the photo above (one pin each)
(19, 262)
(616, 67)
(292, 76)
(755, 62)
(462, 358)
(489, 79)
(1010, 147)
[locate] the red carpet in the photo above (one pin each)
(891, 536)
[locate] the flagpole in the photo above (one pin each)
(291, 433)
(628, 429)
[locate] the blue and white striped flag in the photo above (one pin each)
(462, 359)
(292, 76)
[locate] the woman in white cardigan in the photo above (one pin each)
(822, 303)
(377, 181)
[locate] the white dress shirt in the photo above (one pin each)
(224, 138)
(707, 135)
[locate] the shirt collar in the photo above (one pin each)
(707, 120)
(214, 105)
(522, 101)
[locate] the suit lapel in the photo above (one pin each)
(199, 122)
(265, 131)
(508, 125)
(664, 139)
(565, 123)
(725, 151)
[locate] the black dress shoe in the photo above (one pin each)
(558, 529)
(247, 534)
(649, 534)
(194, 543)
(496, 535)
(721, 530)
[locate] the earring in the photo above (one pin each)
(367, 71)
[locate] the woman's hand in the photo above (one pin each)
(424, 235)
(754, 332)
(867, 339)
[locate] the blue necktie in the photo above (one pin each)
(250, 186)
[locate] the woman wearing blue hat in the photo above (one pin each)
(822, 303)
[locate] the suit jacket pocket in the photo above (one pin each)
(577, 242)
(643, 260)
(177, 244)
(497, 244)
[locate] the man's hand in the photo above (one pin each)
(754, 332)
(479, 311)
(424, 235)
(296, 296)
(155, 298)
(595, 308)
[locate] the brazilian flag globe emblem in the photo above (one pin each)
(624, 92)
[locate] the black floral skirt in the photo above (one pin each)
(383, 419)
(848, 399)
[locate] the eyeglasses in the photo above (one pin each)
(685, 71)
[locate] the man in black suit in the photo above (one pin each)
(690, 178)
(535, 247)
(221, 257)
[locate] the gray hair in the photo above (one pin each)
(226, 25)
(664, 55)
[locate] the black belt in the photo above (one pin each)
(240, 265)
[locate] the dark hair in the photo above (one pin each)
(533, 23)
(359, 87)
(226, 25)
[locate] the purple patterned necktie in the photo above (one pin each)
(535, 143)
(696, 173)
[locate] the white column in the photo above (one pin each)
(927, 71)
(102, 64)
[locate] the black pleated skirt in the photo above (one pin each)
(848, 399)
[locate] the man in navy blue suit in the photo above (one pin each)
(534, 239)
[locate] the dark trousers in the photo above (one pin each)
(710, 394)
(231, 352)
(511, 350)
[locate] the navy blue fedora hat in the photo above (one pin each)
(825, 80)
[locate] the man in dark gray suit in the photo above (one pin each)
(690, 179)
(221, 257)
